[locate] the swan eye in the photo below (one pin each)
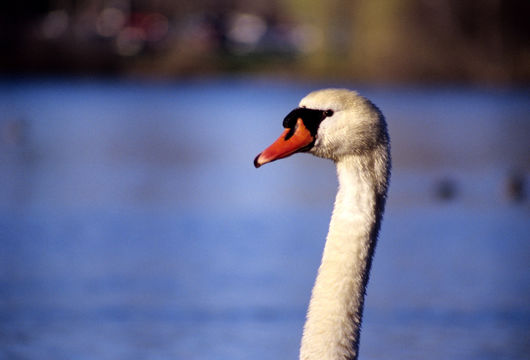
(328, 113)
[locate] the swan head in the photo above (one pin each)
(329, 123)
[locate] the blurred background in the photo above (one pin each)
(133, 224)
(472, 42)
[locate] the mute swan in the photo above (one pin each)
(343, 126)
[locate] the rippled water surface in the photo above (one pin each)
(134, 226)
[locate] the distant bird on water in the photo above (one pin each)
(340, 125)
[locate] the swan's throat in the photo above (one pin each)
(335, 311)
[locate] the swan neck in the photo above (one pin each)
(335, 311)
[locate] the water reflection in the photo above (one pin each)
(133, 224)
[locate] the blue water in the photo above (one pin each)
(134, 226)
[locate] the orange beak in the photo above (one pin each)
(285, 146)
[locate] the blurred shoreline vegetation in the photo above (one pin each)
(383, 41)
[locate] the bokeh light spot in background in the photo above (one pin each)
(130, 41)
(156, 26)
(55, 24)
(307, 38)
(246, 29)
(110, 22)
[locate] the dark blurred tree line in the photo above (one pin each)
(468, 41)
(429, 40)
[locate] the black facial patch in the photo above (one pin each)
(310, 117)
